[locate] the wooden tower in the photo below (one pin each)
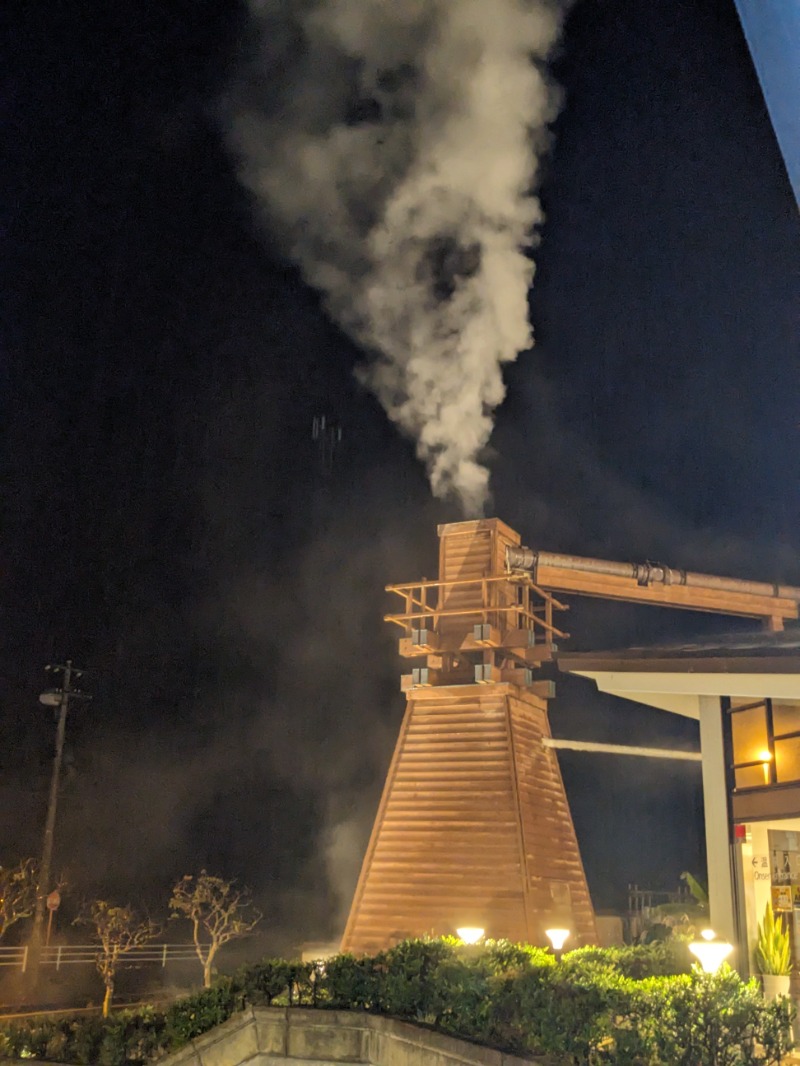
(473, 828)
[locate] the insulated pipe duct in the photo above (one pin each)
(645, 573)
(621, 749)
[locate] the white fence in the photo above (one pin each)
(85, 954)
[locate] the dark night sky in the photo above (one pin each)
(168, 522)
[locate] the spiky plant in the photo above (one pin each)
(773, 952)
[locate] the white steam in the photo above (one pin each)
(393, 146)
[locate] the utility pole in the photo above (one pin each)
(60, 698)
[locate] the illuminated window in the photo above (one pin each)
(752, 776)
(787, 759)
(752, 756)
(786, 734)
(785, 717)
(765, 736)
(749, 728)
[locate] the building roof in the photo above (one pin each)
(734, 653)
(772, 29)
(674, 677)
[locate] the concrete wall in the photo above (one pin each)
(268, 1036)
(715, 801)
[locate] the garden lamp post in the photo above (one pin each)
(470, 934)
(710, 952)
(557, 938)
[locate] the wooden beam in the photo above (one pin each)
(530, 655)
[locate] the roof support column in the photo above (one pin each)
(717, 821)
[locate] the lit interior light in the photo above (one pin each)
(557, 937)
(470, 934)
(765, 757)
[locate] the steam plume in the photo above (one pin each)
(394, 148)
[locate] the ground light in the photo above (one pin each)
(470, 934)
(710, 952)
(557, 937)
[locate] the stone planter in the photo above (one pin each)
(775, 985)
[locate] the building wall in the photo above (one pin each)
(717, 819)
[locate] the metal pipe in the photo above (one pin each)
(622, 749)
(645, 573)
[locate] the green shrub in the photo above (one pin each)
(303, 984)
(85, 1037)
(408, 982)
(352, 982)
(657, 959)
(775, 1028)
(133, 1036)
(706, 1020)
(502, 956)
(580, 1010)
(38, 1038)
(459, 997)
(614, 1007)
(112, 1045)
(188, 1018)
(518, 1003)
(265, 981)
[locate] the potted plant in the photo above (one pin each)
(773, 955)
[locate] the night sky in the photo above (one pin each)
(171, 525)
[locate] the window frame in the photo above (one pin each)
(772, 737)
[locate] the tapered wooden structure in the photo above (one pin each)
(473, 827)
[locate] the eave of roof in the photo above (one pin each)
(642, 662)
(676, 678)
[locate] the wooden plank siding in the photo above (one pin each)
(473, 827)
(469, 551)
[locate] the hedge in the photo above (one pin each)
(622, 1006)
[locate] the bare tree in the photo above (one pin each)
(118, 930)
(218, 911)
(18, 886)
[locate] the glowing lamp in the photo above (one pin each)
(765, 757)
(470, 934)
(710, 952)
(557, 937)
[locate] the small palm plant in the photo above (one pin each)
(773, 951)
